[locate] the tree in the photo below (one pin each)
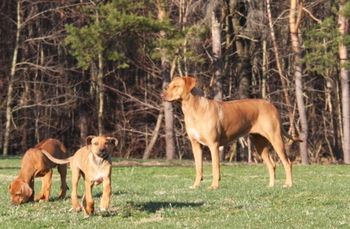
(295, 15)
(343, 23)
(108, 27)
(282, 76)
(12, 79)
(166, 77)
(216, 47)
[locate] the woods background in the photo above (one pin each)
(69, 69)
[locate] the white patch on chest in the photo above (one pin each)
(96, 169)
(98, 178)
(193, 133)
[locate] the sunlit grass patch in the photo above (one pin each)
(160, 197)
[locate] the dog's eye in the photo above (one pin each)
(95, 143)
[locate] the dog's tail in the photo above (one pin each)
(291, 138)
(56, 160)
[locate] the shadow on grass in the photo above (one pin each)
(56, 198)
(9, 167)
(115, 193)
(154, 206)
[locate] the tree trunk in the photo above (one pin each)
(165, 73)
(83, 126)
(264, 70)
(11, 82)
(100, 92)
(343, 24)
(294, 22)
(243, 70)
(216, 43)
(100, 89)
(239, 10)
(155, 134)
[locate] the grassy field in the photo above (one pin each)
(160, 197)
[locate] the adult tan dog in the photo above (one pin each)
(35, 164)
(94, 163)
(214, 123)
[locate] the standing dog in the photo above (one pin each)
(214, 123)
(35, 164)
(94, 163)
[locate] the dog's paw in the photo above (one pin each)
(287, 185)
(75, 209)
(104, 212)
(194, 187)
(213, 187)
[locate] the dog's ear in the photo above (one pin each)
(190, 83)
(89, 139)
(112, 140)
(26, 190)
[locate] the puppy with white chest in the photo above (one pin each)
(94, 163)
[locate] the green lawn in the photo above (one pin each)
(160, 197)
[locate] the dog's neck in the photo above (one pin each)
(26, 174)
(193, 102)
(96, 159)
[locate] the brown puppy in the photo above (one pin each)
(35, 164)
(215, 123)
(94, 163)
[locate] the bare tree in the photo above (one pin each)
(216, 47)
(295, 15)
(165, 73)
(343, 24)
(11, 81)
(283, 78)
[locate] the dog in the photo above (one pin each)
(215, 123)
(94, 163)
(35, 164)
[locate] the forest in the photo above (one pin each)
(74, 68)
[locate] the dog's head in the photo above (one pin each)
(179, 88)
(101, 146)
(20, 191)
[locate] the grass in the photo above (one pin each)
(160, 197)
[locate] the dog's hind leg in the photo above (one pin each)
(62, 170)
(278, 145)
(261, 146)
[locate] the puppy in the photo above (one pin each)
(35, 164)
(94, 163)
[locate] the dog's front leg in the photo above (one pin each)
(46, 182)
(215, 160)
(89, 208)
(31, 185)
(198, 160)
(74, 195)
(105, 199)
